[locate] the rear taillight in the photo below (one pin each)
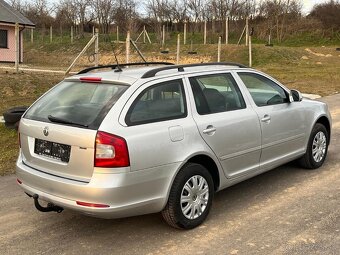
(111, 151)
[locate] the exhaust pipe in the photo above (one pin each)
(50, 207)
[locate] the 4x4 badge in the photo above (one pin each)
(45, 131)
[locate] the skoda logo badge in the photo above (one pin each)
(45, 131)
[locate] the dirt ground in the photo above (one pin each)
(288, 210)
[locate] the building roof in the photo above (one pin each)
(9, 15)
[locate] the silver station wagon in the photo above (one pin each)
(162, 138)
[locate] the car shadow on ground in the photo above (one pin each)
(234, 199)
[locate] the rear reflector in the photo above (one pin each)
(91, 79)
(18, 181)
(91, 204)
(111, 151)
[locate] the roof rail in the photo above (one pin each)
(153, 72)
(123, 65)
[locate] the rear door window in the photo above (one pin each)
(216, 93)
(164, 101)
(76, 103)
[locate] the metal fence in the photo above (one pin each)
(56, 50)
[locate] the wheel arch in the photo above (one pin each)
(326, 123)
(210, 165)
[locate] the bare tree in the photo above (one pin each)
(160, 11)
(83, 14)
(277, 13)
(104, 13)
(125, 14)
(18, 5)
(328, 13)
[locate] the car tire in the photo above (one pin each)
(317, 148)
(187, 215)
(12, 125)
(13, 115)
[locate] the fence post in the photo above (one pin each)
(127, 46)
(72, 34)
(117, 34)
(185, 33)
(239, 40)
(51, 34)
(163, 36)
(227, 30)
(219, 49)
(17, 55)
(247, 31)
(32, 35)
(178, 48)
(250, 52)
(144, 32)
(80, 54)
(96, 47)
(205, 33)
(93, 30)
(250, 48)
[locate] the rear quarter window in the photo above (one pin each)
(164, 101)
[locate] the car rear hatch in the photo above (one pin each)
(58, 133)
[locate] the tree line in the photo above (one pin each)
(276, 17)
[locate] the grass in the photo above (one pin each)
(23, 88)
(8, 150)
(18, 90)
(311, 70)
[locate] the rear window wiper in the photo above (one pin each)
(59, 120)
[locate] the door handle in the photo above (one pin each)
(209, 130)
(266, 118)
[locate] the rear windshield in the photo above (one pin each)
(76, 104)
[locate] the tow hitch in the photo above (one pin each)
(49, 208)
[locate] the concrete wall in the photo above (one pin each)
(8, 55)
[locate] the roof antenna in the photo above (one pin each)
(117, 68)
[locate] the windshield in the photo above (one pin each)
(76, 103)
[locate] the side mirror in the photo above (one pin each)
(296, 95)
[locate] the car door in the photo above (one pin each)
(157, 126)
(226, 122)
(282, 121)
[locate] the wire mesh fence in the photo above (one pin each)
(53, 49)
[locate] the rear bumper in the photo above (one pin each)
(127, 194)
